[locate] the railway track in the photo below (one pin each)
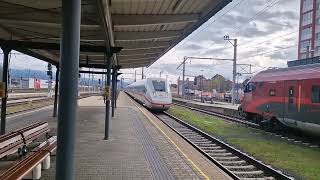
(304, 140)
(236, 164)
(37, 100)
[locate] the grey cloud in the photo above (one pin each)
(214, 52)
(192, 47)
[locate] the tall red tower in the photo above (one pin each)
(309, 29)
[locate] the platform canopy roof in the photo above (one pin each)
(145, 29)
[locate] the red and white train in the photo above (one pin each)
(287, 95)
(153, 93)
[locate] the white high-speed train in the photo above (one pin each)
(153, 93)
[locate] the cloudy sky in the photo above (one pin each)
(267, 33)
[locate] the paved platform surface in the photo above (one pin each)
(136, 148)
(217, 104)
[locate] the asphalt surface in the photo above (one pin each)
(19, 120)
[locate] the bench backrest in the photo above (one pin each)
(21, 169)
(11, 142)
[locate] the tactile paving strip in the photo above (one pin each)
(158, 167)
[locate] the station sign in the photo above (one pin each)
(107, 93)
(2, 89)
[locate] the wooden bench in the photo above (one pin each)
(19, 139)
(30, 167)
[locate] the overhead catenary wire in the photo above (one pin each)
(263, 10)
(244, 45)
(254, 17)
(272, 51)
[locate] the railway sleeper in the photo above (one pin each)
(250, 174)
(228, 158)
(232, 163)
(201, 145)
(179, 127)
(220, 154)
(183, 129)
(241, 168)
(193, 137)
(199, 141)
(216, 151)
(263, 178)
(208, 149)
(197, 138)
(191, 133)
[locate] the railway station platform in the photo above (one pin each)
(139, 147)
(218, 107)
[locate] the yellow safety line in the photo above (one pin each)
(156, 125)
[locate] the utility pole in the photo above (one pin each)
(135, 75)
(102, 82)
(178, 86)
(92, 80)
(183, 74)
(89, 81)
(201, 85)
(234, 72)
(49, 73)
(200, 58)
(142, 76)
(160, 73)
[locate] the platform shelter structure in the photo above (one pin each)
(105, 34)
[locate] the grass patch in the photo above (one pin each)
(297, 160)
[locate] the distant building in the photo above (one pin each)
(28, 83)
(309, 30)
(217, 82)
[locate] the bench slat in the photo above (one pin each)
(22, 168)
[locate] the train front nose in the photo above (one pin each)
(161, 100)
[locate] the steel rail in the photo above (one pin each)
(289, 137)
(230, 118)
(258, 164)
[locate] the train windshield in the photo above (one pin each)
(159, 86)
(251, 86)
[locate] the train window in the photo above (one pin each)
(316, 94)
(291, 92)
(159, 86)
(251, 86)
(272, 92)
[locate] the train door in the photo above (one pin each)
(292, 98)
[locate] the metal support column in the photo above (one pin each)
(114, 77)
(234, 71)
(183, 75)
(107, 118)
(68, 88)
(142, 73)
(116, 89)
(6, 52)
(55, 104)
